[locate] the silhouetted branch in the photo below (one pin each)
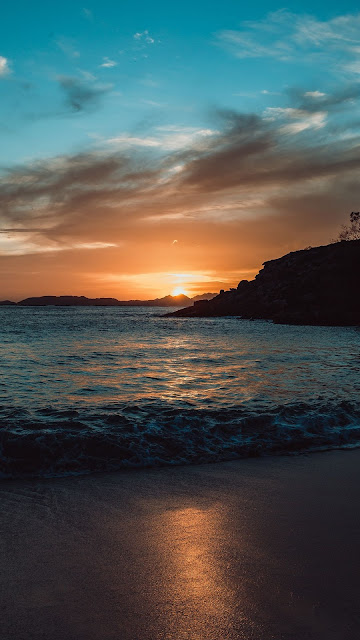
(351, 231)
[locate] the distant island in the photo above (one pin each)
(82, 301)
(315, 286)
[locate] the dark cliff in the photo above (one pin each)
(320, 285)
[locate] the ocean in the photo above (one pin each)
(86, 389)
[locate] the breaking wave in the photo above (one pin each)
(50, 442)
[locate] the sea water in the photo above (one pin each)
(100, 388)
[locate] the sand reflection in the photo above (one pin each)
(200, 596)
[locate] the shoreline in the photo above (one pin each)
(253, 549)
(85, 473)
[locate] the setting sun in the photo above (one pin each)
(179, 291)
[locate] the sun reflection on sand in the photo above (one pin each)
(199, 590)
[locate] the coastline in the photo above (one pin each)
(260, 549)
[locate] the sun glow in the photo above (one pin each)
(178, 291)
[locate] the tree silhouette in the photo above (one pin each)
(351, 231)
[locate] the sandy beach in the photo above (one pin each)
(255, 549)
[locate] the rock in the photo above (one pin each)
(316, 286)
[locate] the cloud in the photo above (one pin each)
(286, 36)
(4, 66)
(243, 45)
(256, 151)
(243, 190)
(302, 119)
(134, 141)
(67, 46)
(48, 204)
(166, 137)
(314, 94)
(88, 14)
(22, 243)
(340, 101)
(269, 93)
(144, 36)
(87, 75)
(107, 63)
(80, 95)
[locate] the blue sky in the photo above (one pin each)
(150, 64)
(165, 86)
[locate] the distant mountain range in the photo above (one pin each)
(315, 286)
(82, 301)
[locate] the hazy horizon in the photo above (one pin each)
(70, 295)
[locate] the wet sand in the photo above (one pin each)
(250, 550)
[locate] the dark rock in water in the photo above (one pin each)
(6, 302)
(317, 286)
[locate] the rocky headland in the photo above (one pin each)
(315, 286)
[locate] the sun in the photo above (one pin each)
(179, 291)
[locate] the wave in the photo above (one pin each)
(50, 442)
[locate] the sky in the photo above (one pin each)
(152, 147)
